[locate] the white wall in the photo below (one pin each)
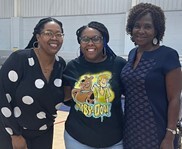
(173, 34)
(5, 34)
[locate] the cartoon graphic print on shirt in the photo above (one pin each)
(93, 95)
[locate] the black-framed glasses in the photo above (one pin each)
(95, 39)
(50, 34)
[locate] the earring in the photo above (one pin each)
(79, 52)
(35, 44)
(104, 51)
(155, 41)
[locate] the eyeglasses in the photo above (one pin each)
(95, 39)
(50, 34)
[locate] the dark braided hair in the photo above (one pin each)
(38, 29)
(104, 32)
(141, 10)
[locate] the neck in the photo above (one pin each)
(147, 48)
(98, 60)
(44, 58)
(46, 62)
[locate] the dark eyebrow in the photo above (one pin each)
(92, 36)
(53, 31)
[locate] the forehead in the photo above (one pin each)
(145, 18)
(90, 32)
(52, 26)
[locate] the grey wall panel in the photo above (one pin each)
(5, 34)
(32, 8)
(6, 8)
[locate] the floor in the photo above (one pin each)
(58, 142)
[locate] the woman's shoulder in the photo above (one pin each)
(20, 54)
(23, 51)
(167, 52)
(60, 59)
(120, 59)
(167, 49)
(119, 62)
(74, 61)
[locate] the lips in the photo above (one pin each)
(141, 38)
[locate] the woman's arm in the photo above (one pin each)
(173, 87)
(67, 96)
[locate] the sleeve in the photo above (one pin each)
(10, 75)
(122, 64)
(69, 75)
(171, 61)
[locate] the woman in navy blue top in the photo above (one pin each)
(31, 89)
(152, 82)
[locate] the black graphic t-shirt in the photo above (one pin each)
(95, 118)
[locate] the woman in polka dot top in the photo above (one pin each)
(31, 89)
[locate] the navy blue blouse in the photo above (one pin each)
(146, 102)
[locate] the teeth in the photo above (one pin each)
(90, 50)
(53, 45)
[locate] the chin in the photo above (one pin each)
(90, 60)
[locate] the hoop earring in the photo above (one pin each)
(35, 44)
(104, 51)
(155, 41)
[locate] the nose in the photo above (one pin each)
(53, 36)
(141, 30)
(90, 42)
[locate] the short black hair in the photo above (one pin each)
(142, 9)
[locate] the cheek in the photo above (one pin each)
(61, 41)
(82, 47)
(133, 32)
(100, 48)
(42, 43)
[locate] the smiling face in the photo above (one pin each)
(93, 48)
(49, 39)
(144, 32)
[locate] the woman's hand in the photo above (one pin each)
(168, 141)
(18, 142)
